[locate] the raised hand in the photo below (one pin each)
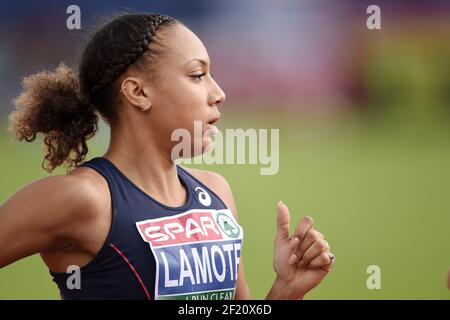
(301, 260)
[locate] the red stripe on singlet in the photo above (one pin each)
(132, 269)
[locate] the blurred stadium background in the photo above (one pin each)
(364, 119)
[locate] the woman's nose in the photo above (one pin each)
(217, 96)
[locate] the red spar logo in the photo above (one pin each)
(187, 227)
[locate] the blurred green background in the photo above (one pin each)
(378, 192)
(364, 119)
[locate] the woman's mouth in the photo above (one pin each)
(214, 120)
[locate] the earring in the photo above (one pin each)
(145, 106)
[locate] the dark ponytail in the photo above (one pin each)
(63, 107)
(51, 104)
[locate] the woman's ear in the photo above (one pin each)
(134, 91)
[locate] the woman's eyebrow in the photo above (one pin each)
(203, 62)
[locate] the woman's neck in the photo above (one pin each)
(146, 165)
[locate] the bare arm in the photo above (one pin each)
(44, 216)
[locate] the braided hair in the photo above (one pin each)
(63, 106)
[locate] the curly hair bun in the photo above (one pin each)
(51, 104)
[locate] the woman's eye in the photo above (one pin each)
(199, 76)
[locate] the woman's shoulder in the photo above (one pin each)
(211, 179)
(76, 194)
(217, 183)
(53, 212)
(88, 185)
(209, 176)
(79, 182)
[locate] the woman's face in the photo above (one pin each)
(183, 90)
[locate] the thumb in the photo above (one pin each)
(283, 222)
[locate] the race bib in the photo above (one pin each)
(197, 254)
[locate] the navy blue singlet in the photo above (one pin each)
(154, 251)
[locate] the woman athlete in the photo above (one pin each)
(134, 223)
